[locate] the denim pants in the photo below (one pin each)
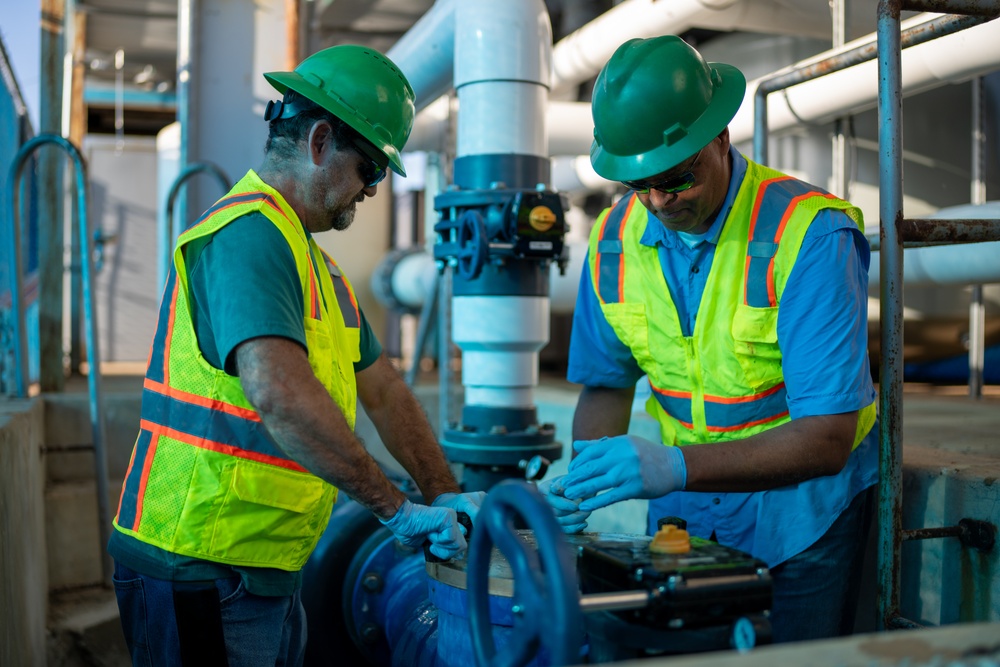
(256, 630)
(816, 591)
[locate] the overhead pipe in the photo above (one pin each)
(426, 54)
(581, 54)
(845, 58)
(945, 60)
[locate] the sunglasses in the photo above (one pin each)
(372, 172)
(670, 186)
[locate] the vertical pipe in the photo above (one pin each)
(444, 349)
(890, 309)
(50, 200)
(760, 126)
(977, 309)
(839, 177)
(185, 36)
(77, 128)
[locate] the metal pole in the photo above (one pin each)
(93, 352)
(890, 310)
(977, 308)
(444, 349)
(839, 176)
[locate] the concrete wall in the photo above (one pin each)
(23, 574)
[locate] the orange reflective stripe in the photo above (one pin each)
(203, 401)
(229, 450)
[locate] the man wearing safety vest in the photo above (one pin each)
(260, 356)
(740, 293)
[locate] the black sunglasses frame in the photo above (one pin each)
(671, 186)
(373, 172)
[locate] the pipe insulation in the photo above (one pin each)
(426, 54)
(950, 59)
(581, 54)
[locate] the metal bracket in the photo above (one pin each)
(981, 535)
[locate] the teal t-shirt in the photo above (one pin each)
(244, 285)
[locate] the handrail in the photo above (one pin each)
(93, 350)
(16, 286)
(167, 234)
(894, 230)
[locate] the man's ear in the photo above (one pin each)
(320, 141)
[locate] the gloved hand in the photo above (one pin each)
(567, 511)
(415, 524)
(462, 502)
(623, 467)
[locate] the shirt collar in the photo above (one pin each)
(656, 233)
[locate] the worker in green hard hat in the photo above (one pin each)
(738, 295)
(260, 356)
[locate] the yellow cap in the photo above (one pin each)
(670, 540)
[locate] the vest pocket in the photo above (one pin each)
(755, 344)
(628, 320)
(270, 516)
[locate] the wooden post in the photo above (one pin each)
(51, 166)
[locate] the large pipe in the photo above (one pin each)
(580, 55)
(947, 60)
(426, 54)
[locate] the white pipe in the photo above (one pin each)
(502, 63)
(581, 54)
(426, 53)
(950, 59)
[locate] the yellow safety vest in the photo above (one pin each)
(725, 381)
(205, 479)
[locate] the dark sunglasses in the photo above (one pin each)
(372, 172)
(670, 186)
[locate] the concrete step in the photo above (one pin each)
(85, 630)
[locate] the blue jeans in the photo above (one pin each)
(256, 630)
(816, 591)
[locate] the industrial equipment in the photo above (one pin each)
(538, 598)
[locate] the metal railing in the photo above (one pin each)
(894, 232)
(90, 315)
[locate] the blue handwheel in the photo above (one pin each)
(546, 600)
(472, 245)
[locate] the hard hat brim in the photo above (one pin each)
(285, 81)
(726, 101)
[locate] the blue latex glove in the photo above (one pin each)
(568, 513)
(415, 524)
(462, 502)
(623, 467)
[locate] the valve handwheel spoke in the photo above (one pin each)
(545, 581)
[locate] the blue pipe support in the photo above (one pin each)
(168, 230)
(93, 349)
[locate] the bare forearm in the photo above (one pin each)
(308, 426)
(788, 454)
(601, 411)
(404, 429)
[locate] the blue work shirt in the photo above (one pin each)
(823, 336)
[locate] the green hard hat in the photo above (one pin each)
(361, 87)
(656, 103)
